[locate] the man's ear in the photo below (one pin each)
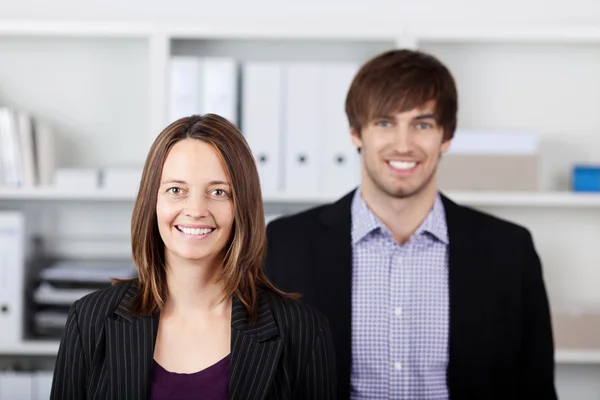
(356, 139)
(446, 145)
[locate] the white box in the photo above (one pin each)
(78, 178)
(16, 385)
(121, 178)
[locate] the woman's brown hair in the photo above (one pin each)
(242, 269)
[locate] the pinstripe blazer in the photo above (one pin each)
(106, 353)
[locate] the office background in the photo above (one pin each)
(97, 81)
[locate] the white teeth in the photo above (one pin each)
(402, 164)
(193, 231)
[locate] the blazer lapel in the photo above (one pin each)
(255, 351)
(333, 277)
(468, 284)
(130, 347)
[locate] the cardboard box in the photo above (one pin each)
(489, 172)
(491, 160)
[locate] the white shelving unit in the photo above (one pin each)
(507, 78)
(477, 199)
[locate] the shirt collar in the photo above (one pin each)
(364, 221)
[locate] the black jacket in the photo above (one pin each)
(500, 335)
(106, 353)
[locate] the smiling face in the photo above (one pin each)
(400, 152)
(194, 207)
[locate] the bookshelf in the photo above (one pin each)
(126, 70)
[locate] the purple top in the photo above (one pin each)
(210, 383)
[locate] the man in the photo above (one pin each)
(427, 299)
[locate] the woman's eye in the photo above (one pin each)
(174, 190)
(219, 192)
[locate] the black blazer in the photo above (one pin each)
(500, 335)
(106, 353)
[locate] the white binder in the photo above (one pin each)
(42, 385)
(12, 267)
(184, 82)
(16, 385)
(302, 128)
(219, 87)
(341, 161)
(262, 119)
(201, 85)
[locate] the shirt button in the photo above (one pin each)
(398, 311)
(397, 366)
(398, 259)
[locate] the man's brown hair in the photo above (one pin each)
(242, 269)
(400, 80)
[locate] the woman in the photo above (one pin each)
(201, 320)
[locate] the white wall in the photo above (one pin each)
(483, 12)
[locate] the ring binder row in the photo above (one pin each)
(291, 113)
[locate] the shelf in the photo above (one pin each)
(33, 348)
(526, 199)
(50, 348)
(51, 193)
(577, 356)
(472, 198)
(285, 28)
(565, 34)
(75, 29)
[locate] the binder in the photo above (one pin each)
(45, 153)
(27, 154)
(201, 85)
(12, 266)
(302, 128)
(262, 120)
(183, 87)
(341, 161)
(42, 385)
(219, 87)
(16, 385)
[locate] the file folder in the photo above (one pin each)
(261, 120)
(201, 85)
(341, 161)
(42, 385)
(12, 266)
(302, 128)
(16, 385)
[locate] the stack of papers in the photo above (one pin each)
(66, 281)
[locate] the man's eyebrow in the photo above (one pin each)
(425, 116)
